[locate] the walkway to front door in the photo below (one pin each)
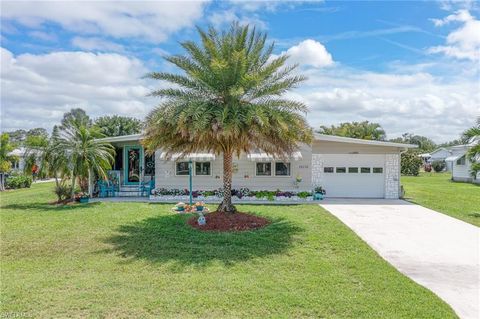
(435, 250)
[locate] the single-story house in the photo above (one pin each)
(460, 163)
(344, 167)
(441, 154)
(19, 163)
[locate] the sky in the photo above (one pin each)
(412, 66)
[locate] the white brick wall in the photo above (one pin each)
(392, 175)
(317, 170)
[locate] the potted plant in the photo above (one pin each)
(318, 193)
(180, 207)
(83, 197)
(199, 206)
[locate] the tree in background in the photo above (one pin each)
(34, 145)
(18, 137)
(424, 143)
(228, 101)
(5, 159)
(363, 130)
(77, 118)
(118, 125)
(410, 163)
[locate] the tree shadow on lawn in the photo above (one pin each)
(48, 207)
(169, 238)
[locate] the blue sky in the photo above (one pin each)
(411, 66)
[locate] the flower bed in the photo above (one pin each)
(238, 195)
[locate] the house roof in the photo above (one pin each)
(341, 139)
(123, 138)
(317, 137)
(455, 157)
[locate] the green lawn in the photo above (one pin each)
(109, 260)
(436, 191)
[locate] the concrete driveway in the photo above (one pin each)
(437, 251)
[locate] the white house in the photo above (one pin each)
(460, 163)
(441, 154)
(345, 167)
(19, 163)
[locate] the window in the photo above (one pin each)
(365, 170)
(150, 164)
(378, 170)
(328, 169)
(341, 170)
(264, 169)
(181, 168)
(353, 169)
(202, 169)
(461, 160)
(282, 169)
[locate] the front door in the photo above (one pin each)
(133, 159)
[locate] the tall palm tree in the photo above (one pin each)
(472, 135)
(228, 101)
(84, 153)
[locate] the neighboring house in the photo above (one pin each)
(440, 155)
(19, 163)
(460, 164)
(345, 167)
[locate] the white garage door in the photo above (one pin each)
(354, 175)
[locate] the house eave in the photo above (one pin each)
(341, 139)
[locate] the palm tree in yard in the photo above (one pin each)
(85, 154)
(472, 135)
(227, 101)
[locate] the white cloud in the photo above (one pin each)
(96, 44)
(45, 36)
(152, 20)
(310, 52)
(418, 103)
(464, 42)
(222, 18)
(38, 89)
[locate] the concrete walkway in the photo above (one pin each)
(437, 251)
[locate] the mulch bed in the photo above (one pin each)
(238, 221)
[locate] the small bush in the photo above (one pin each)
(427, 168)
(438, 166)
(18, 181)
(410, 163)
(63, 192)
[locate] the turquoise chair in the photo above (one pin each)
(106, 188)
(147, 188)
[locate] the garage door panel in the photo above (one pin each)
(369, 185)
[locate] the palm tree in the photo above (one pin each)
(5, 159)
(228, 101)
(472, 135)
(84, 153)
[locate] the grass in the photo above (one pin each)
(436, 191)
(108, 260)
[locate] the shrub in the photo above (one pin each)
(410, 163)
(438, 166)
(18, 181)
(427, 168)
(63, 192)
(304, 194)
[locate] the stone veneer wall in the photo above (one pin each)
(392, 176)
(317, 170)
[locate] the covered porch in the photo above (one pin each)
(133, 171)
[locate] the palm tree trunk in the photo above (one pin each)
(72, 196)
(226, 205)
